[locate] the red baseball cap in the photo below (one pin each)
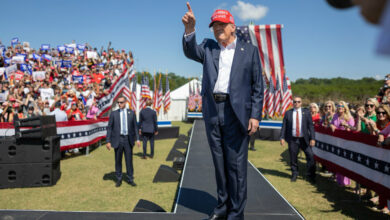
(223, 16)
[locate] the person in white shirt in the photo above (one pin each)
(58, 113)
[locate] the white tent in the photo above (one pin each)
(179, 97)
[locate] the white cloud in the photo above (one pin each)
(378, 77)
(247, 11)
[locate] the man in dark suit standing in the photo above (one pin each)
(121, 134)
(148, 127)
(298, 131)
(232, 98)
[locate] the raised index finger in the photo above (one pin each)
(189, 7)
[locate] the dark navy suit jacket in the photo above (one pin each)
(245, 85)
(114, 128)
(307, 126)
(148, 120)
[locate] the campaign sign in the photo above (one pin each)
(39, 75)
(45, 47)
(66, 63)
(61, 48)
(69, 49)
(78, 79)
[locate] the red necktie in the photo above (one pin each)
(297, 124)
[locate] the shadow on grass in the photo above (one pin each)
(273, 172)
(197, 200)
(340, 198)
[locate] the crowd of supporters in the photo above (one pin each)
(372, 117)
(47, 80)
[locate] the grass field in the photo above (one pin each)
(88, 184)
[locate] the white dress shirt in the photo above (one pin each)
(225, 67)
(294, 133)
(123, 113)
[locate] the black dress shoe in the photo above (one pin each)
(143, 157)
(294, 178)
(311, 179)
(118, 183)
(217, 217)
(131, 183)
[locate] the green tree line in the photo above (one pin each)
(175, 81)
(353, 91)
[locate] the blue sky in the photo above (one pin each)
(318, 41)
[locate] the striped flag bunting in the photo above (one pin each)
(121, 85)
(356, 156)
(133, 102)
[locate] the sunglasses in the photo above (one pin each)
(381, 113)
(369, 105)
(296, 101)
(340, 106)
(121, 102)
(328, 106)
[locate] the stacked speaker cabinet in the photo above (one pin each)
(32, 157)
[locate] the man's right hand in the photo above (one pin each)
(189, 20)
(282, 142)
(108, 145)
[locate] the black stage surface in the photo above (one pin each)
(196, 197)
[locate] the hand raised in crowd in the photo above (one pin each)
(189, 20)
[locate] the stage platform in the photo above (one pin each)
(196, 195)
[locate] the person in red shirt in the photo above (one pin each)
(315, 113)
(74, 114)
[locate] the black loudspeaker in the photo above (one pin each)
(174, 153)
(147, 206)
(166, 174)
(30, 150)
(29, 174)
(39, 127)
(180, 144)
(178, 163)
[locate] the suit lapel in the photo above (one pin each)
(239, 53)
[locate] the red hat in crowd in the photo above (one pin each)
(80, 86)
(12, 99)
(73, 103)
(16, 105)
(223, 16)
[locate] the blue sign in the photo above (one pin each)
(78, 79)
(61, 48)
(47, 57)
(66, 63)
(69, 49)
(81, 47)
(45, 47)
(14, 41)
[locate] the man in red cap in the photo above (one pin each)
(232, 98)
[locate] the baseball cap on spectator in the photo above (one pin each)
(79, 86)
(12, 99)
(16, 105)
(223, 16)
(73, 103)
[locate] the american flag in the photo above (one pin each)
(287, 96)
(268, 38)
(278, 98)
(266, 97)
(154, 92)
(270, 103)
(126, 89)
(133, 103)
(167, 96)
(191, 98)
(159, 95)
(145, 91)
